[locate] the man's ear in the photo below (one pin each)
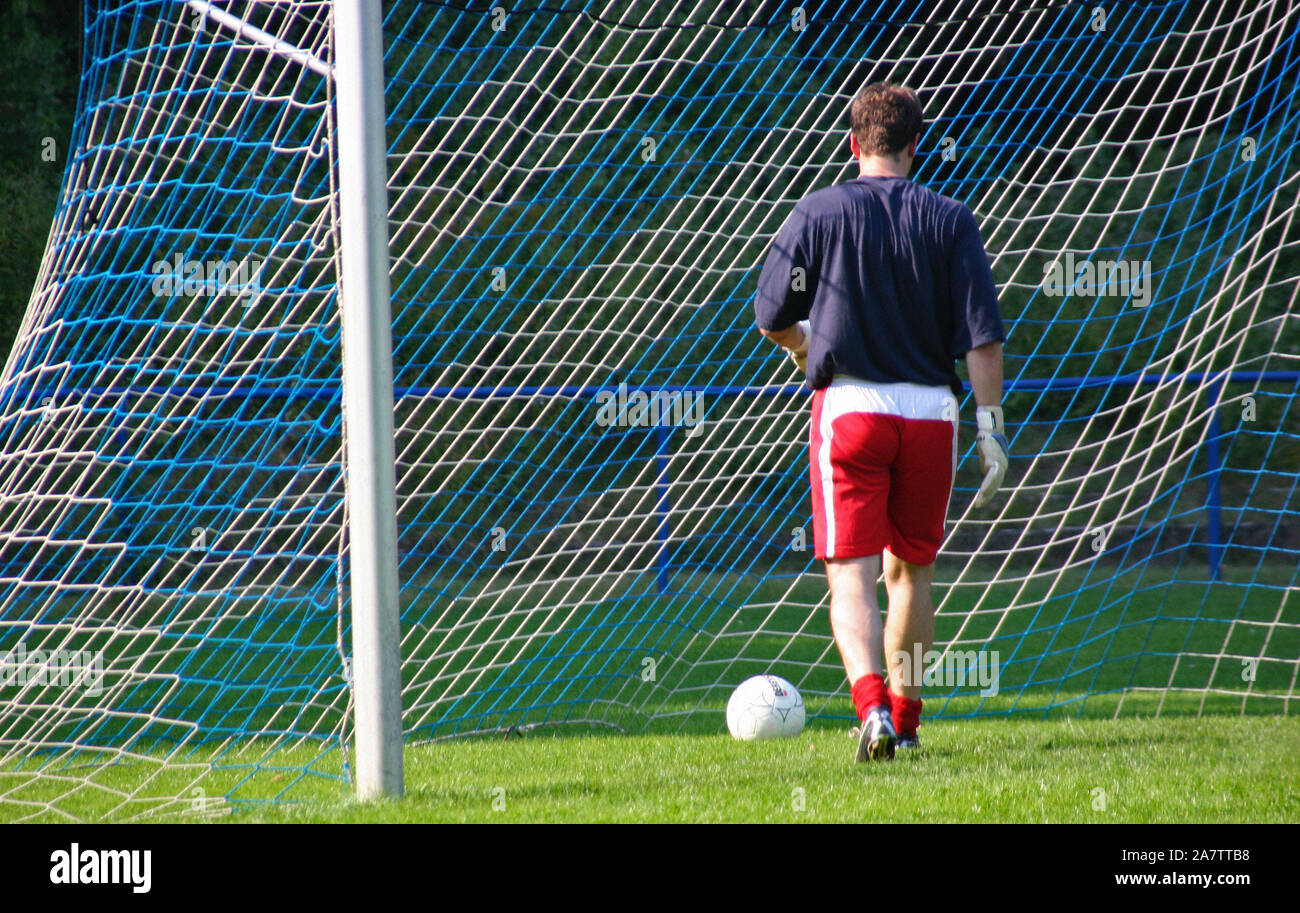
(854, 147)
(911, 149)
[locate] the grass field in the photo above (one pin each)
(1220, 750)
(1211, 769)
(1177, 769)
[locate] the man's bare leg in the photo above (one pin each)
(855, 622)
(855, 614)
(909, 633)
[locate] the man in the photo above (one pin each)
(875, 286)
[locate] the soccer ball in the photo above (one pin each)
(765, 707)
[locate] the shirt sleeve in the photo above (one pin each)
(976, 318)
(788, 280)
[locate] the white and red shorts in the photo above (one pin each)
(883, 460)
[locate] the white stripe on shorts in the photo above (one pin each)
(828, 479)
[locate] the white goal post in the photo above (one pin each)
(368, 396)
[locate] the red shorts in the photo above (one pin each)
(883, 459)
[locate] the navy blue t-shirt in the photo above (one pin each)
(894, 279)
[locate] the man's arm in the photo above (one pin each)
(785, 290)
(979, 338)
(794, 339)
(984, 365)
(789, 338)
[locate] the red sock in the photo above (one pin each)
(906, 712)
(869, 691)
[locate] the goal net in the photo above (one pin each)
(603, 505)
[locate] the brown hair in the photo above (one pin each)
(885, 117)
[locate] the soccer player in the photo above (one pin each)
(875, 287)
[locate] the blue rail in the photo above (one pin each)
(663, 509)
(484, 392)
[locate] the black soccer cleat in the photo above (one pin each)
(908, 741)
(876, 737)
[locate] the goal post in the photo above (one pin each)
(367, 375)
(368, 396)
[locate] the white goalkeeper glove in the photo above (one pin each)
(799, 354)
(994, 451)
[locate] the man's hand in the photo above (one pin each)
(994, 451)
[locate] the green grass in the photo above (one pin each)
(1178, 769)
(1135, 647)
(1207, 769)
(1195, 770)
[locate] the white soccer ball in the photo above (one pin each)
(765, 707)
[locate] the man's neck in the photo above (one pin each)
(875, 166)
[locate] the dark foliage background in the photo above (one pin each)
(39, 71)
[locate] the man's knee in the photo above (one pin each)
(853, 573)
(898, 571)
